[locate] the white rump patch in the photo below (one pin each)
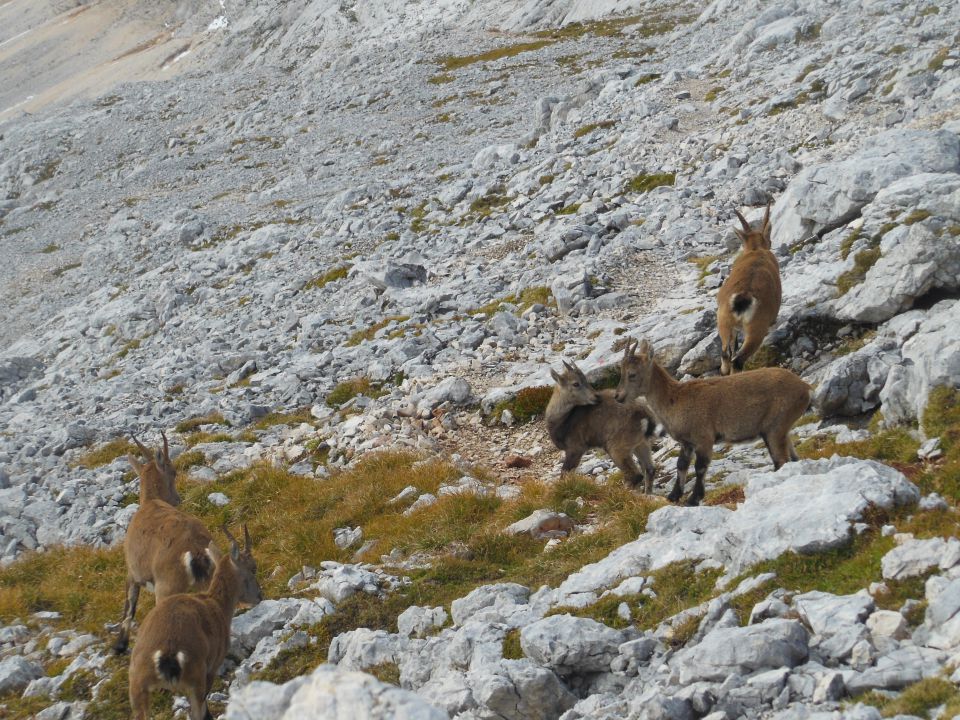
(182, 659)
(747, 314)
(187, 559)
(157, 654)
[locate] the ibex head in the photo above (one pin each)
(250, 593)
(574, 385)
(157, 470)
(754, 239)
(636, 368)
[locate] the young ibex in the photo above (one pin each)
(185, 638)
(749, 298)
(579, 418)
(165, 548)
(762, 403)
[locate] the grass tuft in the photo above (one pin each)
(194, 423)
(349, 389)
(321, 281)
(106, 454)
(918, 700)
(646, 182)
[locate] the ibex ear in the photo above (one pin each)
(234, 547)
(166, 447)
(765, 228)
(646, 350)
(137, 467)
(556, 377)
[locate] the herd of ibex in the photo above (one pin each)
(184, 639)
(761, 403)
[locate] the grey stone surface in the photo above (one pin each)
(570, 644)
(738, 651)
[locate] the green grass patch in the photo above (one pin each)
(526, 298)
(456, 62)
(65, 269)
(195, 423)
(916, 216)
(592, 127)
(51, 248)
(892, 444)
(201, 436)
(332, 275)
(83, 584)
(646, 182)
(349, 389)
(368, 333)
(677, 586)
(647, 78)
(569, 209)
(848, 242)
(526, 405)
(188, 459)
(511, 645)
(291, 419)
(484, 206)
(919, 699)
(106, 454)
(713, 93)
(862, 262)
(937, 61)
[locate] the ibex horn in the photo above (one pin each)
(743, 220)
(143, 450)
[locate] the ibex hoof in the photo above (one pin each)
(674, 496)
(693, 501)
(120, 646)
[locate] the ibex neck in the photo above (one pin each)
(557, 413)
(225, 586)
(152, 487)
(661, 391)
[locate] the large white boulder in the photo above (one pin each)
(329, 693)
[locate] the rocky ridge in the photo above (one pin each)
(422, 222)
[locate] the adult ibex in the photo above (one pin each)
(750, 297)
(166, 549)
(185, 638)
(761, 403)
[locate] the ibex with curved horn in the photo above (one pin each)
(761, 403)
(166, 549)
(185, 638)
(750, 297)
(579, 418)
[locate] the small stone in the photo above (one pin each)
(542, 524)
(218, 499)
(517, 461)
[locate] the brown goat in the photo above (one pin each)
(749, 298)
(579, 418)
(166, 549)
(185, 638)
(761, 403)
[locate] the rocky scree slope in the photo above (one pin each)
(384, 246)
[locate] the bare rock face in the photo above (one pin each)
(829, 195)
(728, 651)
(329, 692)
(570, 644)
